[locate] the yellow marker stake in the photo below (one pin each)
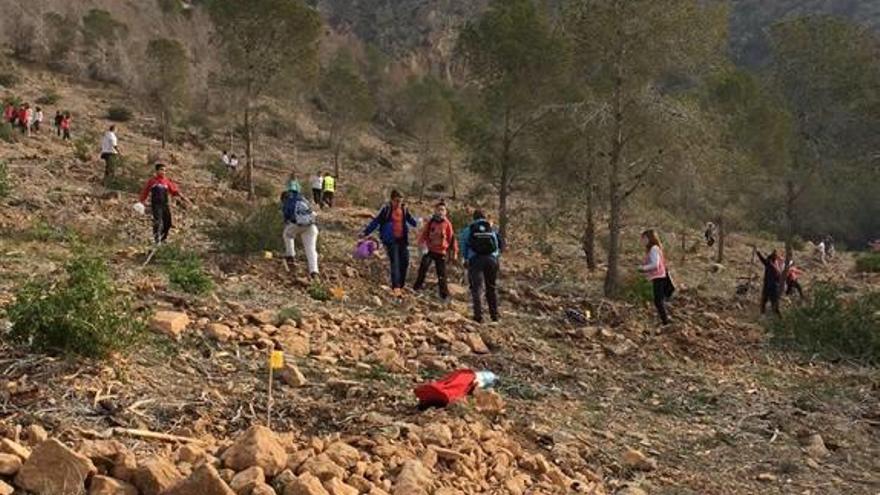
(276, 362)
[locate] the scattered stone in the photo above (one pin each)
(9, 464)
(35, 434)
(219, 332)
(263, 489)
(171, 323)
(437, 434)
(155, 475)
(389, 358)
(104, 453)
(258, 446)
(816, 448)
(335, 486)
(53, 469)
(488, 401)
(767, 478)
(634, 459)
(476, 344)
(266, 317)
(5, 489)
(632, 490)
(343, 454)
(291, 375)
(414, 479)
(205, 480)
(190, 454)
(322, 467)
(7, 446)
(244, 482)
(305, 484)
(105, 485)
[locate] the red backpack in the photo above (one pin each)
(451, 388)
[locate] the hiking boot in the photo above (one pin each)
(314, 276)
(398, 292)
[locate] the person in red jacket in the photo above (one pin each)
(437, 240)
(9, 113)
(159, 189)
(791, 280)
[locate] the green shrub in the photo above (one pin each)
(319, 291)
(119, 114)
(44, 231)
(170, 6)
(291, 313)
(637, 289)
(833, 327)
(126, 177)
(81, 313)
(9, 79)
(869, 263)
(5, 187)
(184, 269)
(254, 232)
(50, 98)
(7, 133)
(82, 148)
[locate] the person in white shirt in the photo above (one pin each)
(317, 187)
(37, 120)
(109, 150)
(233, 163)
(224, 159)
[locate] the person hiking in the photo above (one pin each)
(394, 221)
(24, 118)
(38, 119)
(300, 220)
(654, 269)
(224, 159)
(438, 241)
(65, 127)
(158, 189)
(772, 287)
(233, 162)
(791, 280)
(709, 234)
(9, 114)
(318, 187)
(109, 151)
(481, 247)
(59, 117)
(328, 189)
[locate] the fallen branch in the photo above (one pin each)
(152, 435)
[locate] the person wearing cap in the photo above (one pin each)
(394, 221)
(299, 220)
(158, 189)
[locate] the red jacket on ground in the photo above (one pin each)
(163, 182)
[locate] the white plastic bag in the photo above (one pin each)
(139, 208)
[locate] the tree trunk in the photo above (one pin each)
(452, 184)
(336, 142)
(719, 258)
(684, 249)
(164, 129)
(249, 151)
(589, 239)
(790, 198)
(615, 192)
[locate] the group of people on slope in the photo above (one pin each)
(229, 161)
(30, 120)
(323, 189)
(479, 245)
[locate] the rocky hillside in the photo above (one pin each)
(603, 405)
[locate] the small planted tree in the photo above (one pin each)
(348, 102)
(265, 43)
(167, 77)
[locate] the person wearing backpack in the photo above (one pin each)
(394, 221)
(159, 189)
(437, 240)
(300, 220)
(654, 269)
(481, 246)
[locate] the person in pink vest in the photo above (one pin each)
(654, 269)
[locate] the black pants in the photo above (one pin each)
(484, 269)
(398, 258)
(316, 195)
(66, 136)
(161, 222)
(794, 285)
(440, 261)
(660, 295)
(109, 164)
(770, 293)
(327, 197)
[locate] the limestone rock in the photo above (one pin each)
(155, 475)
(321, 467)
(305, 484)
(204, 480)
(190, 454)
(104, 453)
(488, 401)
(634, 459)
(414, 479)
(263, 489)
(9, 464)
(53, 468)
(342, 454)
(437, 434)
(171, 323)
(816, 448)
(105, 485)
(476, 344)
(244, 482)
(219, 332)
(5, 489)
(35, 434)
(258, 446)
(335, 486)
(292, 376)
(7, 446)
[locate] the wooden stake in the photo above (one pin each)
(269, 404)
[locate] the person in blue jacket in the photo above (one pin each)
(394, 221)
(481, 246)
